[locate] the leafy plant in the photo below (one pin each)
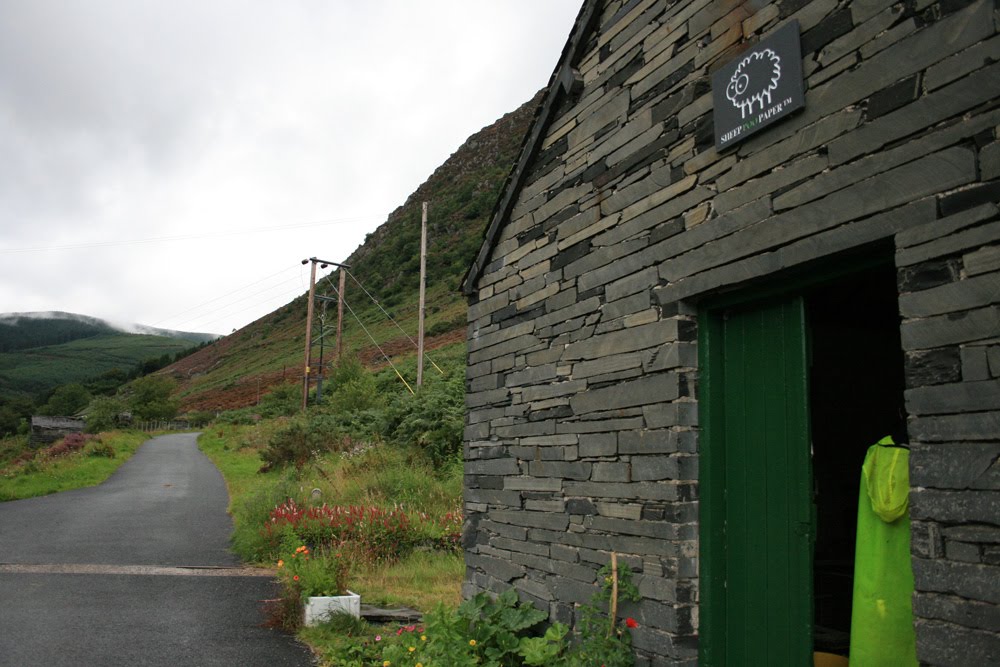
(104, 413)
(295, 444)
(374, 533)
(432, 420)
(603, 640)
(66, 400)
(310, 574)
(501, 632)
(151, 398)
(354, 388)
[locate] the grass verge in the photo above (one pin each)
(369, 475)
(89, 466)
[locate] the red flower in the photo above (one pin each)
(631, 622)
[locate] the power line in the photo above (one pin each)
(219, 298)
(228, 314)
(374, 342)
(389, 317)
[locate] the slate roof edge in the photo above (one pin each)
(560, 82)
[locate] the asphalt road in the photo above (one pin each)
(135, 571)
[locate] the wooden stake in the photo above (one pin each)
(420, 311)
(614, 592)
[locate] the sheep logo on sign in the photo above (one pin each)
(760, 87)
(755, 78)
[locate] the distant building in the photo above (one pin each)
(46, 430)
(682, 353)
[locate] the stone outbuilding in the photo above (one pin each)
(46, 430)
(681, 353)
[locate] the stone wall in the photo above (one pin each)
(46, 430)
(582, 420)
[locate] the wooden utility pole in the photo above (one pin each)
(423, 290)
(309, 319)
(309, 324)
(340, 310)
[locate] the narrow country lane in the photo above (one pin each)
(135, 571)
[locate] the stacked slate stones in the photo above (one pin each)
(582, 431)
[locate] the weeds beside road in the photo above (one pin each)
(75, 462)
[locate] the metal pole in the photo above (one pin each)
(322, 338)
(420, 311)
(309, 320)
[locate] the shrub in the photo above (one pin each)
(151, 399)
(97, 447)
(103, 413)
(282, 401)
(444, 326)
(372, 532)
(73, 442)
(66, 400)
(432, 420)
(200, 418)
(502, 631)
(353, 388)
(296, 443)
(481, 631)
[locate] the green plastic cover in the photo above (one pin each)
(882, 616)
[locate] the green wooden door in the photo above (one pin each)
(756, 489)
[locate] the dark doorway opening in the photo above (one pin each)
(856, 387)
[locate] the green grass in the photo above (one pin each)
(420, 581)
(43, 476)
(379, 475)
(11, 447)
(235, 451)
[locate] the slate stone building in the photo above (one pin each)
(681, 353)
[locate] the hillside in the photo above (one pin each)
(37, 370)
(39, 351)
(23, 331)
(235, 370)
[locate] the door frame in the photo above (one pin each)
(711, 478)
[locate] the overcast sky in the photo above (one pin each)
(170, 162)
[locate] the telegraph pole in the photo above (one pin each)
(309, 324)
(340, 308)
(420, 310)
(309, 318)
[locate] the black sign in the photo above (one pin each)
(760, 87)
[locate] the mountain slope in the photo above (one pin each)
(40, 369)
(461, 193)
(40, 351)
(23, 331)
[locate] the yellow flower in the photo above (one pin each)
(412, 649)
(386, 663)
(420, 664)
(472, 642)
(281, 563)
(423, 638)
